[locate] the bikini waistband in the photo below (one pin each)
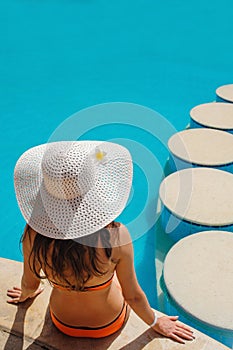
(92, 332)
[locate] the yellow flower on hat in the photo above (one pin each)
(99, 155)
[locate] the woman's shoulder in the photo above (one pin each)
(124, 235)
(120, 240)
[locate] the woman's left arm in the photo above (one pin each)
(30, 283)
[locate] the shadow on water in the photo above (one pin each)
(163, 241)
(167, 169)
(163, 244)
(145, 265)
(152, 246)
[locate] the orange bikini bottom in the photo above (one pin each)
(90, 332)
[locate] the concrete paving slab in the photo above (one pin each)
(28, 326)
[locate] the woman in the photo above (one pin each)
(69, 194)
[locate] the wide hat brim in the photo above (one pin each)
(82, 215)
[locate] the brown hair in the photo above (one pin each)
(78, 256)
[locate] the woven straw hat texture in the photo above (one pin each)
(70, 189)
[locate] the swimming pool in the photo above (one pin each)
(58, 57)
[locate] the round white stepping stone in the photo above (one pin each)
(198, 277)
(225, 93)
(201, 147)
(196, 199)
(214, 115)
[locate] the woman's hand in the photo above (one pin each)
(17, 296)
(169, 327)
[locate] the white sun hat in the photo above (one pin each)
(70, 189)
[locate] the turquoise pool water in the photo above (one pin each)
(58, 57)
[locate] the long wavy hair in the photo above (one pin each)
(80, 257)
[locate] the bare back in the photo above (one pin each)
(91, 308)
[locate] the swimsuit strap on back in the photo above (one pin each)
(87, 288)
(100, 286)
